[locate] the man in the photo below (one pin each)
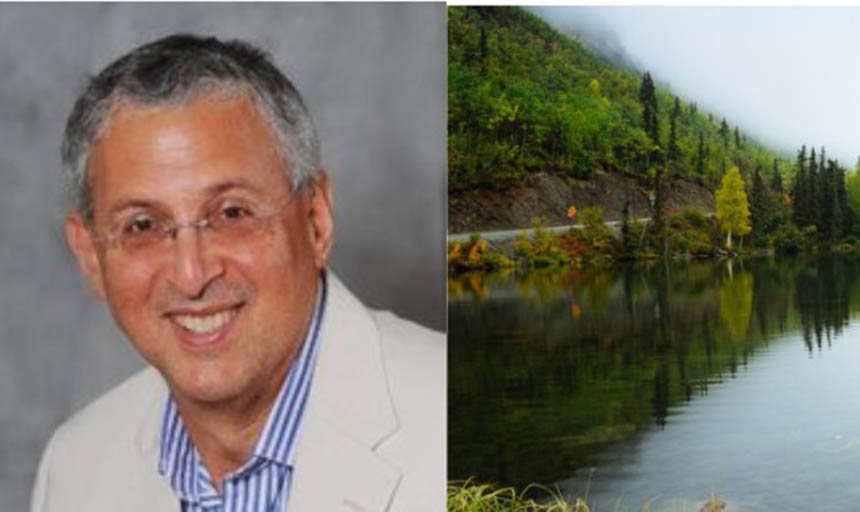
(201, 216)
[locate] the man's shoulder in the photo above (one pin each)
(110, 421)
(119, 409)
(415, 362)
(98, 444)
(406, 344)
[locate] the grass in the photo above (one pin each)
(466, 496)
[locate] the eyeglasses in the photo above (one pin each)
(227, 223)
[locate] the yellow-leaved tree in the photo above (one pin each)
(733, 211)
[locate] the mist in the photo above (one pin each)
(787, 76)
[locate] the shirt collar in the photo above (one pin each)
(179, 460)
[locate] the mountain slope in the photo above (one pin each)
(526, 99)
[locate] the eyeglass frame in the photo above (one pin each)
(172, 228)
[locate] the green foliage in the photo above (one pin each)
(543, 249)
(813, 193)
(761, 208)
(800, 192)
(852, 189)
(524, 98)
(594, 228)
(701, 154)
(475, 255)
(732, 207)
(724, 132)
(690, 233)
(648, 99)
(776, 178)
(690, 218)
(673, 150)
(787, 239)
(830, 222)
(822, 197)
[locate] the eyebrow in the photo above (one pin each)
(209, 192)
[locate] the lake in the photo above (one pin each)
(662, 383)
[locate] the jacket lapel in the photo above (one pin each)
(349, 413)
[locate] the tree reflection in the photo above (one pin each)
(547, 369)
(736, 297)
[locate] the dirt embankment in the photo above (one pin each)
(550, 196)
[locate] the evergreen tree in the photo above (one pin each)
(700, 155)
(737, 138)
(733, 211)
(484, 50)
(798, 194)
(776, 178)
(828, 216)
(674, 151)
(847, 215)
(840, 203)
(759, 208)
(821, 162)
(724, 132)
(813, 193)
(648, 99)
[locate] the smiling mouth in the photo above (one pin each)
(205, 324)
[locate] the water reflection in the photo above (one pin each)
(736, 294)
(549, 371)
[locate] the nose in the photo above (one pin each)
(194, 265)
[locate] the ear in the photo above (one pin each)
(321, 218)
(83, 246)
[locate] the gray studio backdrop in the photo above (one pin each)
(373, 77)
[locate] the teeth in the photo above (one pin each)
(204, 324)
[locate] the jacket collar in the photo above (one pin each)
(349, 413)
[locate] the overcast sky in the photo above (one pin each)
(786, 75)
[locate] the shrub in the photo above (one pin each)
(691, 218)
(475, 255)
(543, 249)
(787, 239)
(596, 233)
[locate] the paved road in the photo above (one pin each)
(510, 234)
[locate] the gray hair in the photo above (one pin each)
(178, 69)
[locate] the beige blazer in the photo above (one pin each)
(373, 437)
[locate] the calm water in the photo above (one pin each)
(662, 383)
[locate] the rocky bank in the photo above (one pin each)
(549, 196)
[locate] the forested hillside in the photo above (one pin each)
(524, 98)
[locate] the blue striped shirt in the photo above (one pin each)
(263, 482)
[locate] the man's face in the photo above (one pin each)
(219, 320)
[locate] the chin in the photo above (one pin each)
(207, 386)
